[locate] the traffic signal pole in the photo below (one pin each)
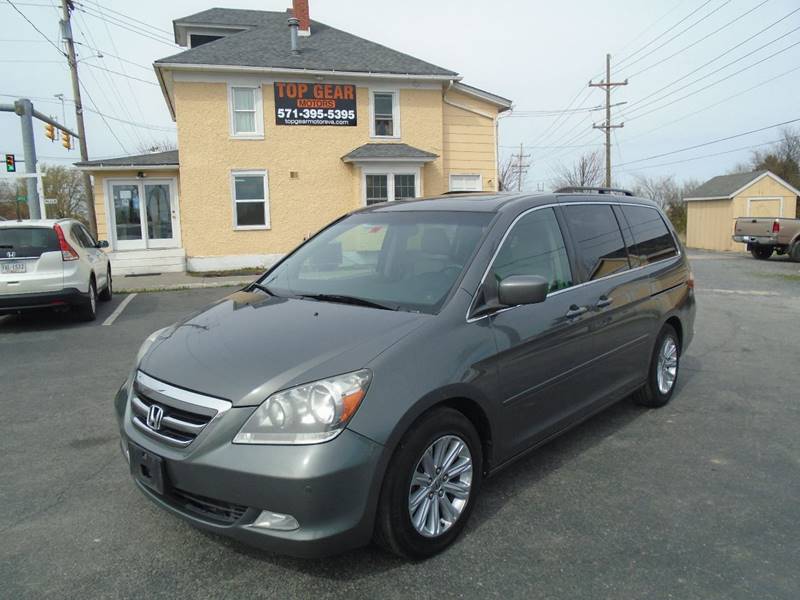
(66, 31)
(24, 109)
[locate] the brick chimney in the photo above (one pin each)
(300, 12)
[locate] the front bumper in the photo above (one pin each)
(12, 303)
(331, 488)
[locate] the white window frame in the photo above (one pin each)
(258, 134)
(453, 189)
(390, 171)
(234, 201)
(751, 199)
(395, 113)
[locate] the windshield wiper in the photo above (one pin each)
(263, 288)
(344, 299)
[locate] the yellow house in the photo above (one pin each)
(713, 207)
(283, 125)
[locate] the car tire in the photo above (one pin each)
(662, 376)
(794, 252)
(411, 478)
(761, 252)
(88, 312)
(108, 291)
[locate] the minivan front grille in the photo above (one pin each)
(171, 415)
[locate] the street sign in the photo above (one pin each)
(11, 163)
(50, 201)
(22, 199)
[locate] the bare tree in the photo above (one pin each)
(157, 146)
(782, 158)
(65, 186)
(508, 175)
(586, 171)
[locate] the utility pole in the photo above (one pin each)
(66, 34)
(520, 168)
(607, 126)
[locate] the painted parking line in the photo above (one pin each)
(118, 311)
(739, 292)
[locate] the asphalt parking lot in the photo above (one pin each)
(695, 500)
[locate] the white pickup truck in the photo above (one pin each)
(765, 235)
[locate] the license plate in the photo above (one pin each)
(147, 468)
(12, 267)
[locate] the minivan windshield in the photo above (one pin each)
(396, 260)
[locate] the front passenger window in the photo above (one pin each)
(535, 246)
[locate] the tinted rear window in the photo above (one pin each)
(598, 240)
(652, 240)
(27, 242)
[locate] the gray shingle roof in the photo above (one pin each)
(388, 151)
(724, 186)
(266, 44)
(154, 159)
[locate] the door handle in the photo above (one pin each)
(604, 301)
(575, 311)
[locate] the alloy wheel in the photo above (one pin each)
(440, 486)
(667, 367)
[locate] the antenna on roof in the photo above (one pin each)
(294, 23)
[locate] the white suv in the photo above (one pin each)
(52, 264)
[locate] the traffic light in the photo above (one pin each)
(11, 163)
(50, 132)
(66, 141)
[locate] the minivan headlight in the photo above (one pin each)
(307, 414)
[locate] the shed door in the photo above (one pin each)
(765, 207)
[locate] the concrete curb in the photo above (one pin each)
(183, 286)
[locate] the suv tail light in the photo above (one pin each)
(67, 251)
(776, 226)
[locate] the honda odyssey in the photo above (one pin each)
(366, 385)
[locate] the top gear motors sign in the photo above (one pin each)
(315, 104)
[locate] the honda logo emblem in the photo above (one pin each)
(10, 254)
(154, 416)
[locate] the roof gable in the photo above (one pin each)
(265, 44)
(728, 186)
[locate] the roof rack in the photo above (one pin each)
(596, 190)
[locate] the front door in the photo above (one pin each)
(144, 214)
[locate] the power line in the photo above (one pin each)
(637, 104)
(94, 66)
(100, 8)
(128, 27)
(125, 60)
(705, 87)
(39, 31)
(662, 34)
(730, 137)
(685, 160)
(702, 39)
(677, 35)
(97, 111)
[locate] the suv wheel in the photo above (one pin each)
(107, 292)
(761, 252)
(663, 374)
(430, 486)
(88, 311)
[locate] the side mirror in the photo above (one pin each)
(522, 289)
(102, 244)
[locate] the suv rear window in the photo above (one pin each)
(27, 242)
(652, 239)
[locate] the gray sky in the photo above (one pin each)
(541, 55)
